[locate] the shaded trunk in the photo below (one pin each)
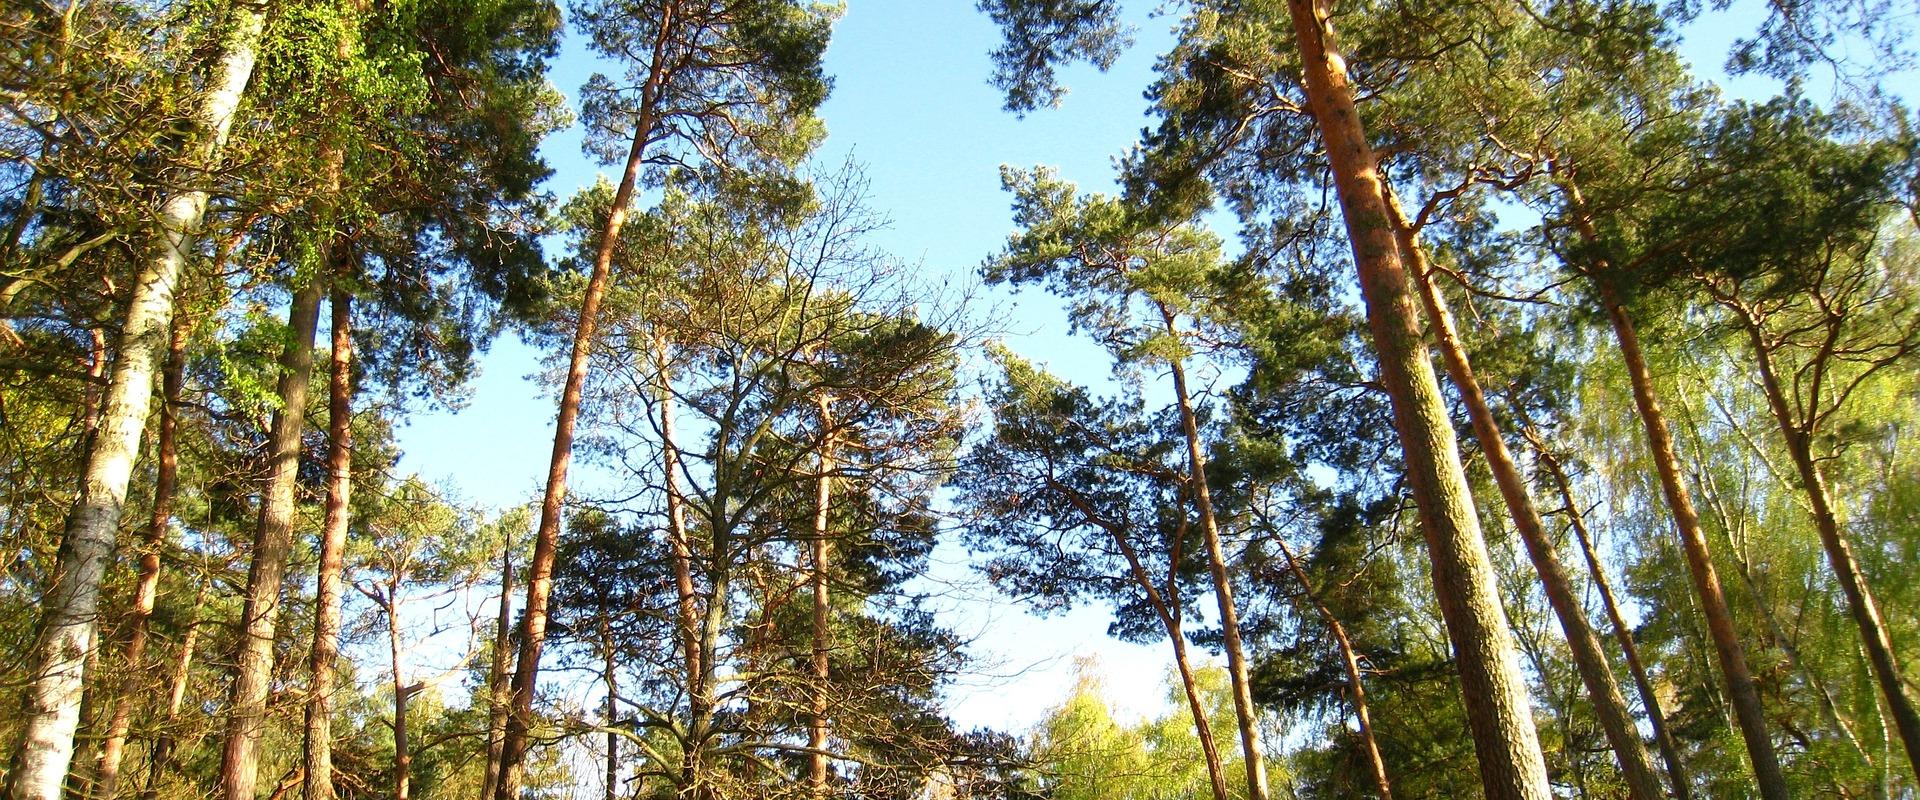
(499, 693)
(822, 609)
(1622, 633)
(165, 485)
(1609, 706)
(1825, 510)
(1498, 712)
(533, 623)
(160, 756)
(329, 585)
(272, 544)
(703, 704)
(613, 713)
(1245, 712)
(71, 608)
(1349, 661)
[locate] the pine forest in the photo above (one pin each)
(959, 399)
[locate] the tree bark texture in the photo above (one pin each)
(1609, 705)
(68, 623)
(165, 486)
(1498, 712)
(272, 544)
(330, 582)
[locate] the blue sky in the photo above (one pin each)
(912, 104)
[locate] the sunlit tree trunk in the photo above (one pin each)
(71, 609)
(1798, 431)
(272, 544)
(1609, 705)
(1498, 712)
(821, 552)
(533, 622)
(165, 485)
(1741, 692)
(1245, 712)
(329, 585)
(402, 697)
(682, 550)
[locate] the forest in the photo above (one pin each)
(1488, 398)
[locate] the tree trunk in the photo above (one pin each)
(402, 694)
(1349, 661)
(1846, 568)
(613, 713)
(272, 543)
(1245, 712)
(1741, 691)
(1166, 607)
(1643, 782)
(1622, 633)
(822, 609)
(160, 756)
(682, 554)
(1197, 706)
(533, 624)
(499, 694)
(165, 485)
(333, 544)
(67, 625)
(1498, 712)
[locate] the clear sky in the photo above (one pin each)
(911, 103)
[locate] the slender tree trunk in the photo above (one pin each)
(533, 624)
(682, 554)
(317, 747)
(1622, 633)
(90, 394)
(1166, 607)
(1197, 706)
(822, 608)
(499, 693)
(402, 695)
(160, 756)
(1246, 713)
(703, 704)
(272, 543)
(1609, 705)
(1846, 568)
(165, 485)
(1498, 711)
(613, 713)
(1741, 692)
(71, 606)
(1350, 661)
(329, 585)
